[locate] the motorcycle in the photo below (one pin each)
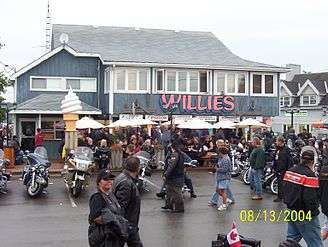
(4, 175)
(145, 171)
(77, 170)
(36, 172)
(238, 161)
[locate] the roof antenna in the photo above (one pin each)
(48, 29)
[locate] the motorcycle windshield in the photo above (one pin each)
(143, 154)
(41, 152)
(83, 153)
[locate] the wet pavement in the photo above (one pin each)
(55, 219)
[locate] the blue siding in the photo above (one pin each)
(61, 64)
(244, 105)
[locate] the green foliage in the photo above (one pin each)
(3, 84)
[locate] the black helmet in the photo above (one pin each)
(299, 143)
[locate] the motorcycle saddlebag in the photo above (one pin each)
(245, 242)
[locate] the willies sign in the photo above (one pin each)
(198, 103)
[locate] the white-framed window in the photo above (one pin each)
(130, 80)
(308, 100)
(78, 84)
(182, 81)
(234, 83)
(285, 101)
(263, 84)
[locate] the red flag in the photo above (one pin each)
(233, 237)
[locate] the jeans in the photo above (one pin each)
(325, 226)
(308, 230)
(215, 196)
(255, 179)
(188, 182)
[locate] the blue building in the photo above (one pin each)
(162, 72)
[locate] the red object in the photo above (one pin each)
(38, 140)
(233, 237)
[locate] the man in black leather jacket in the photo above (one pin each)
(174, 179)
(127, 194)
(283, 161)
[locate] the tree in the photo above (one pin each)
(4, 82)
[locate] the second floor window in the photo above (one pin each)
(230, 83)
(131, 80)
(308, 100)
(263, 84)
(63, 84)
(182, 81)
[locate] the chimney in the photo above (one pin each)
(295, 69)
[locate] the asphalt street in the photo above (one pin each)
(55, 219)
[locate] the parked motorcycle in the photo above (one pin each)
(4, 175)
(239, 160)
(77, 170)
(145, 171)
(36, 172)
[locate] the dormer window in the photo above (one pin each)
(308, 100)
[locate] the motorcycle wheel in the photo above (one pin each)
(34, 191)
(274, 186)
(77, 189)
(246, 177)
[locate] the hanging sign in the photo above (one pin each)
(207, 118)
(130, 116)
(161, 118)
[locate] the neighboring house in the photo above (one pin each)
(118, 70)
(307, 93)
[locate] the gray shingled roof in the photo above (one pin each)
(317, 80)
(122, 44)
(49, 102)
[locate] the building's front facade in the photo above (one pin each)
(307, 96)
(160, 72)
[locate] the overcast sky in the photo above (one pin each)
(274, 32)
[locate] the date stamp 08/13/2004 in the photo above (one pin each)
(285, 215)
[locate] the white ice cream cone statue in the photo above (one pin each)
(71, 106)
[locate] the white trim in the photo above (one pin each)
(282, 84)
(52, 112)
(275, 84)
(282, 98)
(50, 54)
(63, 78)
(326, 87)
(206, 67)
(111, 93)
(308, 83)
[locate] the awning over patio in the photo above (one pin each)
(50, 104)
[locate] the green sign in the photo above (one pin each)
(297, 114)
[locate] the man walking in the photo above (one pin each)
(174, 179)
(302, 196)
(282, 163)
(257, 162)
(127, 194)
